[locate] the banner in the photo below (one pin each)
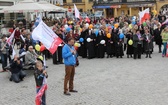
(10, 39)
(46, 36)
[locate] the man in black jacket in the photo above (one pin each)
(16, 70)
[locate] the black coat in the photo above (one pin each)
(91, 46)
(39, 76)
(157, 36)
(100, 47)
(15, 67)
(130, 49)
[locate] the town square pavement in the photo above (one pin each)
(105, 81)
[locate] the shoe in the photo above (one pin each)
(74, 91)
(107, 56)
(120, 56)
(160, 51)
(127, 56)
(162, 55)
(111, 56)
(150, 57)
(146, 57)
(67, 93)
(10, 79)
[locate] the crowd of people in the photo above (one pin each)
(88, 38)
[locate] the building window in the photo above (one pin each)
(64, 1)
(76, 1)
(90, 0)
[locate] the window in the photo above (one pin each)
(90, 0)
(2, 3)
(64, 1)
(76, 1)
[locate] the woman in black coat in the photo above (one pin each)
(130, 48)
(158, 38)
(110, 46)
(83, 49)
(90, 45)
(100, 47)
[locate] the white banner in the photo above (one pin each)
(46, 36)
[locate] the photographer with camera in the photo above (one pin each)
(16, 69)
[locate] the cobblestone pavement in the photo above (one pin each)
(105, 81)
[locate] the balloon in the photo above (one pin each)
(106, 30)
(102, 42)
(42, 48)
(90, 26)
(70, 26)
(133, 22)
(130, 42)
(88, 39)
(130, 26)
(87, 25)
(76, 44)
(121, 35)
(81, 39)
(37, 47)
(108, 35)
(79, 45)
(80, 29)
(68, 29)
(109, 27)
(116, 25)
(66, 26)
(112, 27)
(96, 32)
(41, 57)
(144, 23)
(76, 48)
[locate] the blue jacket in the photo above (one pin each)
(69, 58)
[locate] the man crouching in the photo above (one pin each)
(16, 69)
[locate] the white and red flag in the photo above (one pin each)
(10, 39)
(46, 36)
(77, 13)
(144, 15)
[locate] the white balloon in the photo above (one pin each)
(102, 42)
(79, 45)
(66, 26)
(88, 39)
(87, 25)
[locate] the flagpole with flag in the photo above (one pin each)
(10, 39)
(77, 13)
(45, 35)
(144, 15)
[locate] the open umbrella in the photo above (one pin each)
(55, 8)
(27, 6)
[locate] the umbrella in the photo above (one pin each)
(27, 6)
(55, 8)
